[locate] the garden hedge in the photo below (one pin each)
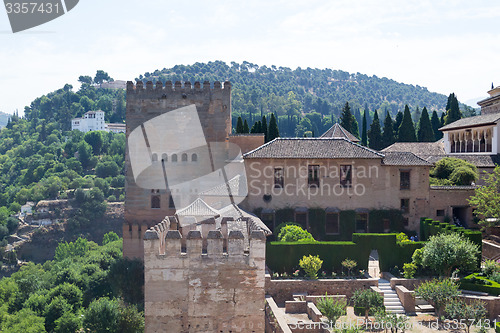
(284, 257)
(468, 284)
(497, 328)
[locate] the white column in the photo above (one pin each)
(495, 140)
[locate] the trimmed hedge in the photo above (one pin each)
(429, 228)
(497, 328)
(284, 257)
(390, 253)
(468, 284)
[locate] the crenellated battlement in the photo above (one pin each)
(175, 88)
(160, 241)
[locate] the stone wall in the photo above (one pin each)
(213, 105)
(283, 290)
(193, 291)
(247, 142)
(490, 250)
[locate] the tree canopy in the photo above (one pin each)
(486, 200)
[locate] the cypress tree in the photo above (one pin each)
(355, 127)
(388, 137)
(245, 127)
(436, 124)
(364, 135)
(273, 131)
(416, 115)
(452, 110)
(264, 128)
(359, 119)
(425, 132)
(256, 128)
(397, 123)
(375, 133)
(443, 115)
(239, 125)
(346, 119)
(406, 131)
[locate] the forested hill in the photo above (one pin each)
(286, 91)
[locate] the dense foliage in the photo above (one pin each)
(294, 233)
(306, 102)
(445, 252)
(486, 200)
(41, 159)
(438, 293)
(86, 285)
(453, 171)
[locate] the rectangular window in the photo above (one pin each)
(313, 175)
(332, 224)
(268, 220)
(278, 177)
(404, 180)
(387, 225)
(345, 175)
(301, 218)
(405, 222)
(361, 222)
(440, 212)
(405, 206)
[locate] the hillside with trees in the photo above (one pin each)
(306, 102)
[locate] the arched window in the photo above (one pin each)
(194, 158)
(164, 157)
(174, 158)
(184, 157)
(155, 201)
(154, 158)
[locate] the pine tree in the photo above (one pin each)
(364, 135)
(239, 125)
(273, 131)
(406, 131)
(425, 132)
(397, 123)
(452, 110)
(346, 119)
(436, 124)
(388, 137)
(245, 127)
(375, 134)
(264, 128)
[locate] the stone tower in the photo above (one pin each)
(145, 207)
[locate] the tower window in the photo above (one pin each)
(184, 157)
(155, 201)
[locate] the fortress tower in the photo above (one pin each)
(146, 205)
(208, 280)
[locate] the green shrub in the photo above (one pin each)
(409, 270)
(349, 264)
(332, 308)
(293, 233)
(284, 224)
(368, 299)
(490, 267)
(497, 328)
(402, 238)
(111, 198)
(445, 252)
(475, 282)
(311, 265)
(465, 313)
(438, 293)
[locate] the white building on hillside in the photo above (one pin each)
(94, 121)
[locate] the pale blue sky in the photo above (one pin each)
(446, 46)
